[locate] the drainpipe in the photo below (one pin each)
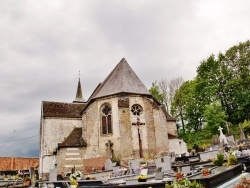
(46, 155)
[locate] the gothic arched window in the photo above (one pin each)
(136, 109)
(106, 116)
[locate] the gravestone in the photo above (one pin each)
(159, 175)
(144, 172)
(32, 176)
(134, 166)
(231, 138)
(52, 175)
(221, 148)
(185, 169)
(208, 155)
(109, 150)
(108, 165)
(116, 171)
(164, 163)
(242, 135)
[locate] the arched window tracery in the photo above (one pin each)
(106, 119)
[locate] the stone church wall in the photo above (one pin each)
(172, 129)
(161, 131)
(143, 128)
(126, 146)
(92, 130)
(157, 129)
(115, 136)
(69, 158)
(150, 128)
(53, 131)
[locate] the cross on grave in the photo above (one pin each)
(222, 137)
(138, 124)
(109, 151)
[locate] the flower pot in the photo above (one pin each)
(142, 180)
(73, 186)
(78, 178)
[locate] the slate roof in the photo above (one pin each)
(61, 109)
(74, 139)
(79, 97)
(121, 80)
(169, 118)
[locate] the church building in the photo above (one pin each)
(121, 120)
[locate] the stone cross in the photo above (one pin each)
(222, 137)
(138, 124)
(109, 150)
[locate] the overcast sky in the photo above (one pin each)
(44, 44)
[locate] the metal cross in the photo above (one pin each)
(138, 123)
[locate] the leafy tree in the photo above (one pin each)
(214, 117)
(236, 88)
(246, 127)
(157, 94)
(227, 78)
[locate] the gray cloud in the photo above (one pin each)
(43, 45)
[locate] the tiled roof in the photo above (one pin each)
(17, 163)
(74, 139)
(121, 80)
(60, 109)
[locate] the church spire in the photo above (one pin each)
(79, 97)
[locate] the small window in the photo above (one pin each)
(106, 116)
(136, 109)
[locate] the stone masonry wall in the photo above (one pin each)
(54, 131)
(150, 128)
(92, 130)
(68, 158)
(126, 149)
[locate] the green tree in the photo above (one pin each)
(215, 117)
(157, 94)
(236, 89)
(246, 127)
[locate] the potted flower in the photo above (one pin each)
(205, 172)
(184, 183)
(78, 175)
(73, 183)
(179, 175)
(142, 178)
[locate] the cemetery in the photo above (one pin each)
(215, 167)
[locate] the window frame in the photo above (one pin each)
(106, 123)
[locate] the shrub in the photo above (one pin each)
(232, 160)
(219, 160)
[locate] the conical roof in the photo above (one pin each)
(122, 79)
(79, 97)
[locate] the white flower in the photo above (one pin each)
(76, 175)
